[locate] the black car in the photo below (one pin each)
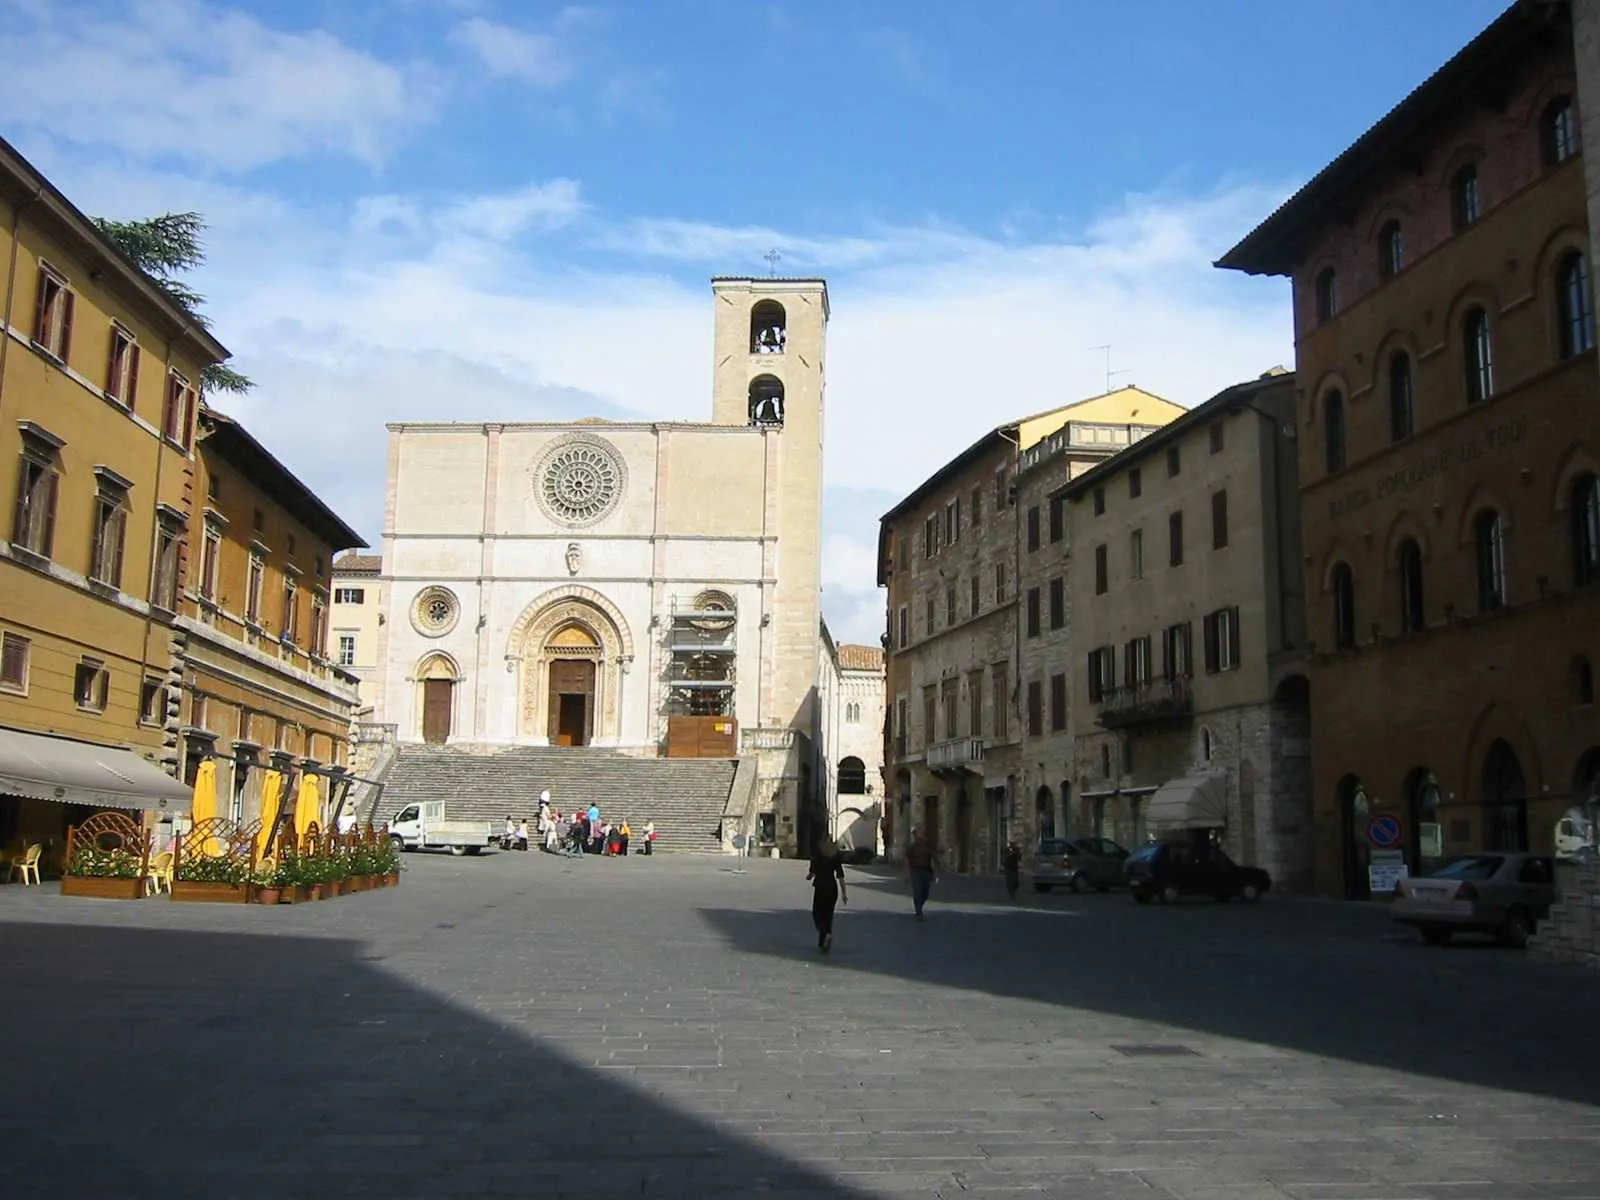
(1171, 870)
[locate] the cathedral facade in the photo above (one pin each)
(652, 588)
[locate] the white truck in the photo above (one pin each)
(424, 826)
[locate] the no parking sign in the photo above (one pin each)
(1384, 831)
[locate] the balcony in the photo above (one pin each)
(957, 755)
(1161, 701)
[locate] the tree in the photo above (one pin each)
(164, 248)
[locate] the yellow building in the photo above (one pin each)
(261, 693)
(99, 394)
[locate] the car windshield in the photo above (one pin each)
(1145, 853)
(1053, 846)
(1479, 866)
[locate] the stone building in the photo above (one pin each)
(1188, 698)
(357, 616)
(261, 694)
(950, 555)
(99, 372)
(850, 741)
(1048, 644)
(1449, 432)
(651, 588)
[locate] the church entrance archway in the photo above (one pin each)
(437, 679)
(572, 701)
(573, 650)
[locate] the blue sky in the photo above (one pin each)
(468, 209)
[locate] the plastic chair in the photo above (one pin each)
(159, 878)
(27, 863)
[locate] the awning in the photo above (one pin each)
(1190, 802)
(69, 772)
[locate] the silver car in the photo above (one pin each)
(1078, 863)
(1499, 894)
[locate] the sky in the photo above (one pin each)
(487, 210)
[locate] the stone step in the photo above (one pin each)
(684, 797)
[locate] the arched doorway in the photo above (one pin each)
(571, 654)
(1354, 810)
(1425, 849)
(852, 776)
(1504, 797)
(436, 677)
(1044, 813)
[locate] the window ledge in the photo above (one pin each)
(106, 591)
(12, 689)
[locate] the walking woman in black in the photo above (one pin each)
(827, 881)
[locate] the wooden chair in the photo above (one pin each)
(159, 878)
(27, 863)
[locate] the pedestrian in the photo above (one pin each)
(827, 890)
(510, 834)
(522, 834)
(593, 832)
(649, 838)
(1012, 864)
(624, 833)
(920, 866)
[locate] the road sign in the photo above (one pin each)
(1384, 831)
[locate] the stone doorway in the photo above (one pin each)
(438, 679)
(572, 701)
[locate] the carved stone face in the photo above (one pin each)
(574, 558)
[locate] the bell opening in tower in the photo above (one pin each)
(769, 328)
(766, 401)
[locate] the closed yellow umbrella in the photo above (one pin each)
(204, 805)
(308, 809)
(271, 801)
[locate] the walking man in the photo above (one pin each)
(827, 883)
(1012, 862)
(920, 866)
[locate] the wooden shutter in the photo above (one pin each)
(67, 300)
(1211, 643)
(39, 307)
(133, 376)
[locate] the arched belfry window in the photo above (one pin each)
(1575, 304)
(1586, 530)
(1402, 413)
(1478, 352)
(1327, 294)
(1558, 131)
(766, 400)
(852, 776)
(769, 328)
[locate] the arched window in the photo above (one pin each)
(1402, 417)
(1558, 131)
(1465, 204)
(766, 400)
(1409, 565)
(1586, 530)
(852, 777)
(1327, 294)
(1489, 539)
(769, 328)
(1044, 812)
(1391, 250)
(1479, 355)
(1333, 443)
(1574, 304)
(1344, 607)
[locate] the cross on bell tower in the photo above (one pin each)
(772, 257)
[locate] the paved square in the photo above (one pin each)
(521, 1025)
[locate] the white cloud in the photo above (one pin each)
(502, 217)
(184, 81)
(511, 53)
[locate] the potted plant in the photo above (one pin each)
(103, 874)
(291, 879)
(264, 881)
(219, 880)
(387, 862)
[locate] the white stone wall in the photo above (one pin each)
(360, 621)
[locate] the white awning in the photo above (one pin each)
(69, 772)
(1191, 802)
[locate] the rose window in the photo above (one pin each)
(580, 481)
(435, 611)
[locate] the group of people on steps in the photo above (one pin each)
(583, 832)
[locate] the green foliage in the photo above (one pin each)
(94, 863)
(204, 869)
(164, 248)
(386, 858)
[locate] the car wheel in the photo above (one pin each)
(399, 844)
(1518, 928)
(1249, 893)
(1080, 884)
(1435, 935)
(458, 851)
(475, 850)
(1141, 897)
(1170, 894)
(1041, 887)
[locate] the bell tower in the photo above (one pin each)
(771, 335)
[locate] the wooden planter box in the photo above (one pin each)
(102, 888)
(213, 893)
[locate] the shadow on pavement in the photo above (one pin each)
(145, 1063)
(1243, 972)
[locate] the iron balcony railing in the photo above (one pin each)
(955, 753)
(1145, 703)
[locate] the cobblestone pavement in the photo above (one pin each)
(521, 1025)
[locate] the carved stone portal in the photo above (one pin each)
(570, 646)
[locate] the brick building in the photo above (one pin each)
(951, 554)
(1187, 695)
(1449, 433)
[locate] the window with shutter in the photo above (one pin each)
(1211, 643)
(1058, 703)
(1219, 519)
(1058, 603)
(1033, 612)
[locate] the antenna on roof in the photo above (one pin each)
(1109, 372)
(772, 257)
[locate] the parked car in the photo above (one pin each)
(1499, 894)
(1172, 870)
(1078, 863)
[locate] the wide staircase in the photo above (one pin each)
(685, 797)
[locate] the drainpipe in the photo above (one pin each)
(11, 281)
(1015, 682)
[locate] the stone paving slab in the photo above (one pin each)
(519, 1025)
